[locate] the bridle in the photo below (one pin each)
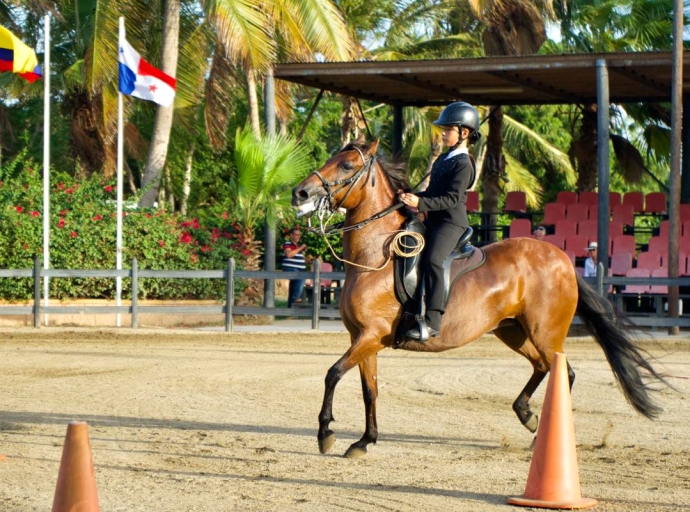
(328, 207)
(341, 184)
(327, 203)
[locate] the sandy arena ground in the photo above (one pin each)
(197, 421)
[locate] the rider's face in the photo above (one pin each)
(450, 135)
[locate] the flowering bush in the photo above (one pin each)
(83, 232)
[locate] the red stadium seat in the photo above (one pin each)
(623, 243)
(614, 199)
(566, 197)
(577, 244)
(577, 212)
(655, 202)
(615, 228)
(588, 198)
(684, 212)
(624, 213)
(571, 255)
(685, 228)
(657, 288)
(516, 202)
(621, 263)
(556, 240)
(649, 260)
(636, 199)
(684, 244)
(593, 212)
(520, 227)
(682, 262)
(637, 288)
(658, 244)
(472, 204)
(589, 229)
(553, 212)
(566, 228)
(664, 228)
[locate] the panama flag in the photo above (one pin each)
(18, 58)
(140, 79)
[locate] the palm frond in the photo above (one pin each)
(535, 146)
(242, 28)
(520, 178)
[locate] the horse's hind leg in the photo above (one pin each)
(516, 338)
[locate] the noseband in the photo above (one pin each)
(341, 184)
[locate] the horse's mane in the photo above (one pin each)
(396, 171)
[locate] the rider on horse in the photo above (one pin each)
(444, 203)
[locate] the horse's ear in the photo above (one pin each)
(374, 147)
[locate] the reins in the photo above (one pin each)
(398, 245)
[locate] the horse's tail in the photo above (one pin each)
(627, 361)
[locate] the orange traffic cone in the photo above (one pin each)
(76, 485)
(554, 476)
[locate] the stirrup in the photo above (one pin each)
(421, 333)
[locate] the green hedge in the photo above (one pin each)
(83, 231)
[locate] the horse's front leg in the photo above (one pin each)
(370, 391)
(362, 349)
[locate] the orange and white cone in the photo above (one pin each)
(76, 485)
(554, 476)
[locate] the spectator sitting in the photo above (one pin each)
(539, 233)
(591, 261)
(293, 261)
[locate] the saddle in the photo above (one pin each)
(407, 273)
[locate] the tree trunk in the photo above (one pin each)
(493, 171)
(160, 139)
(254, 119)
(584, 150)
(187, 183)
(352, 125)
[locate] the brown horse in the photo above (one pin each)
(526, 293)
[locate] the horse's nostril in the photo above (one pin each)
(303, 194)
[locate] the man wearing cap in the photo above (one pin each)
(591, 262)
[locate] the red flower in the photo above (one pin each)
(161, 243)
(61, 186)
(108, 188)
(97, 217)
(62, 213)
(215, 234)
(69, 191)
(61, 223)
(148, 215)
(206, 248)
(185, 237)
(20, 209)
(73, 234)
(34, 213)
(194, 257)
(246, 252)
(225, 215)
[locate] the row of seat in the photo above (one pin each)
(654, 202)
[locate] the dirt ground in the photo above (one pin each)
(203, 421)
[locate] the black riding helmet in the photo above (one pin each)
(462, 114)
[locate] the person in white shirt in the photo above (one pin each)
(591, 261)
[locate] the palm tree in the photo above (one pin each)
(617, 25)
(513, 27)
(266, 169)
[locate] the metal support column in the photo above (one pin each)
(603, 164)
(269, 226)
(398, 123)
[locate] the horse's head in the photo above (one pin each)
(335, 184)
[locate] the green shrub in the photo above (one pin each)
(83, 232)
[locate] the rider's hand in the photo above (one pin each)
(410, 199)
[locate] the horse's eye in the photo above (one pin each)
(347, 166)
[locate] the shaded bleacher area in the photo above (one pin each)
(638, 237)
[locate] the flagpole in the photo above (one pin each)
(120, 153)
(46, 162)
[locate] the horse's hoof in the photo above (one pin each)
(355, 452)
(532, 423)
(327, 443)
